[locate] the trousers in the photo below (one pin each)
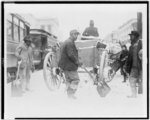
(25, 75)
(134, 76)
(72, 81)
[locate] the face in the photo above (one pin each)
(91, 23)
(75, 36)
(123, 48)
(132, 37)
(28, 43)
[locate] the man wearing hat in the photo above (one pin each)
(69, 63)
(134, 65)
(24, 54)
(91, 30)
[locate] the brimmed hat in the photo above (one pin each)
(135, 33)
(74, 31)
(27, 38)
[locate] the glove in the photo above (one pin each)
(78, 63)
(33, 68)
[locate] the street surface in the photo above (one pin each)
(40, 102)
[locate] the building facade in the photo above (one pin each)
(50, 25)
(124, 30)
(121, 34)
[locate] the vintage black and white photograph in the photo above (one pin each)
(75, 60)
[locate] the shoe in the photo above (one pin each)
(123, 81)
(72, 97)
(132, 96)
(27, 89)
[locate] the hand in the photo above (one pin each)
(80, 64)
(32, 68)
(19, 58)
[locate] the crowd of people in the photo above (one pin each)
(130, 61)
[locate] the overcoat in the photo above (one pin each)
(91, 31)
(133, 58)
(68, 56)
(25, 53)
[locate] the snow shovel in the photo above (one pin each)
(102, 87)
(16, 90)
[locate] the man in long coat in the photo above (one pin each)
(134, 65)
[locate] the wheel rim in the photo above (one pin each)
(52, 80)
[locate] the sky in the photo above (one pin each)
(107, 17)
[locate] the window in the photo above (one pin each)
(9, 17)
(9, 30)
(16, 21)
(16, 33)
(9, 27)
(21, 34)
(22, 30)
(16, 29)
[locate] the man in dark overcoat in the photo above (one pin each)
(134, 65)
(69, 63)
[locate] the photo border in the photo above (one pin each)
(68, 2)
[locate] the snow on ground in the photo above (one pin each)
(40, 102)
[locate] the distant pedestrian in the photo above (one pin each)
(91, 30)
(24, 54)
(134, 64)
(69, 63)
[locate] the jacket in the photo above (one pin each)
(25, 53)
(91, 31)
(68, 56)
(133, 58)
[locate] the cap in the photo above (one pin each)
(135, 33)
(74, 31)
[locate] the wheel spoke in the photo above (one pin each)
(51, 78)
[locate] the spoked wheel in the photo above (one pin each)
(104, 68)
(52, 79)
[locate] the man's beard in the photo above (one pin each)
(133, 41)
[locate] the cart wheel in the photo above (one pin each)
(104, 70)
(52, 79)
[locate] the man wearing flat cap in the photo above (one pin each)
(24, 53)
(69, 63)
(134, 64)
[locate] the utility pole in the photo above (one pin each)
(139, 23)
(139, 29)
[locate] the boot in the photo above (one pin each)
(124, 79)
(140, 88)
(134, 93)
(71, 93)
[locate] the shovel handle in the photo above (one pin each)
(17, 75)
(88, 72)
